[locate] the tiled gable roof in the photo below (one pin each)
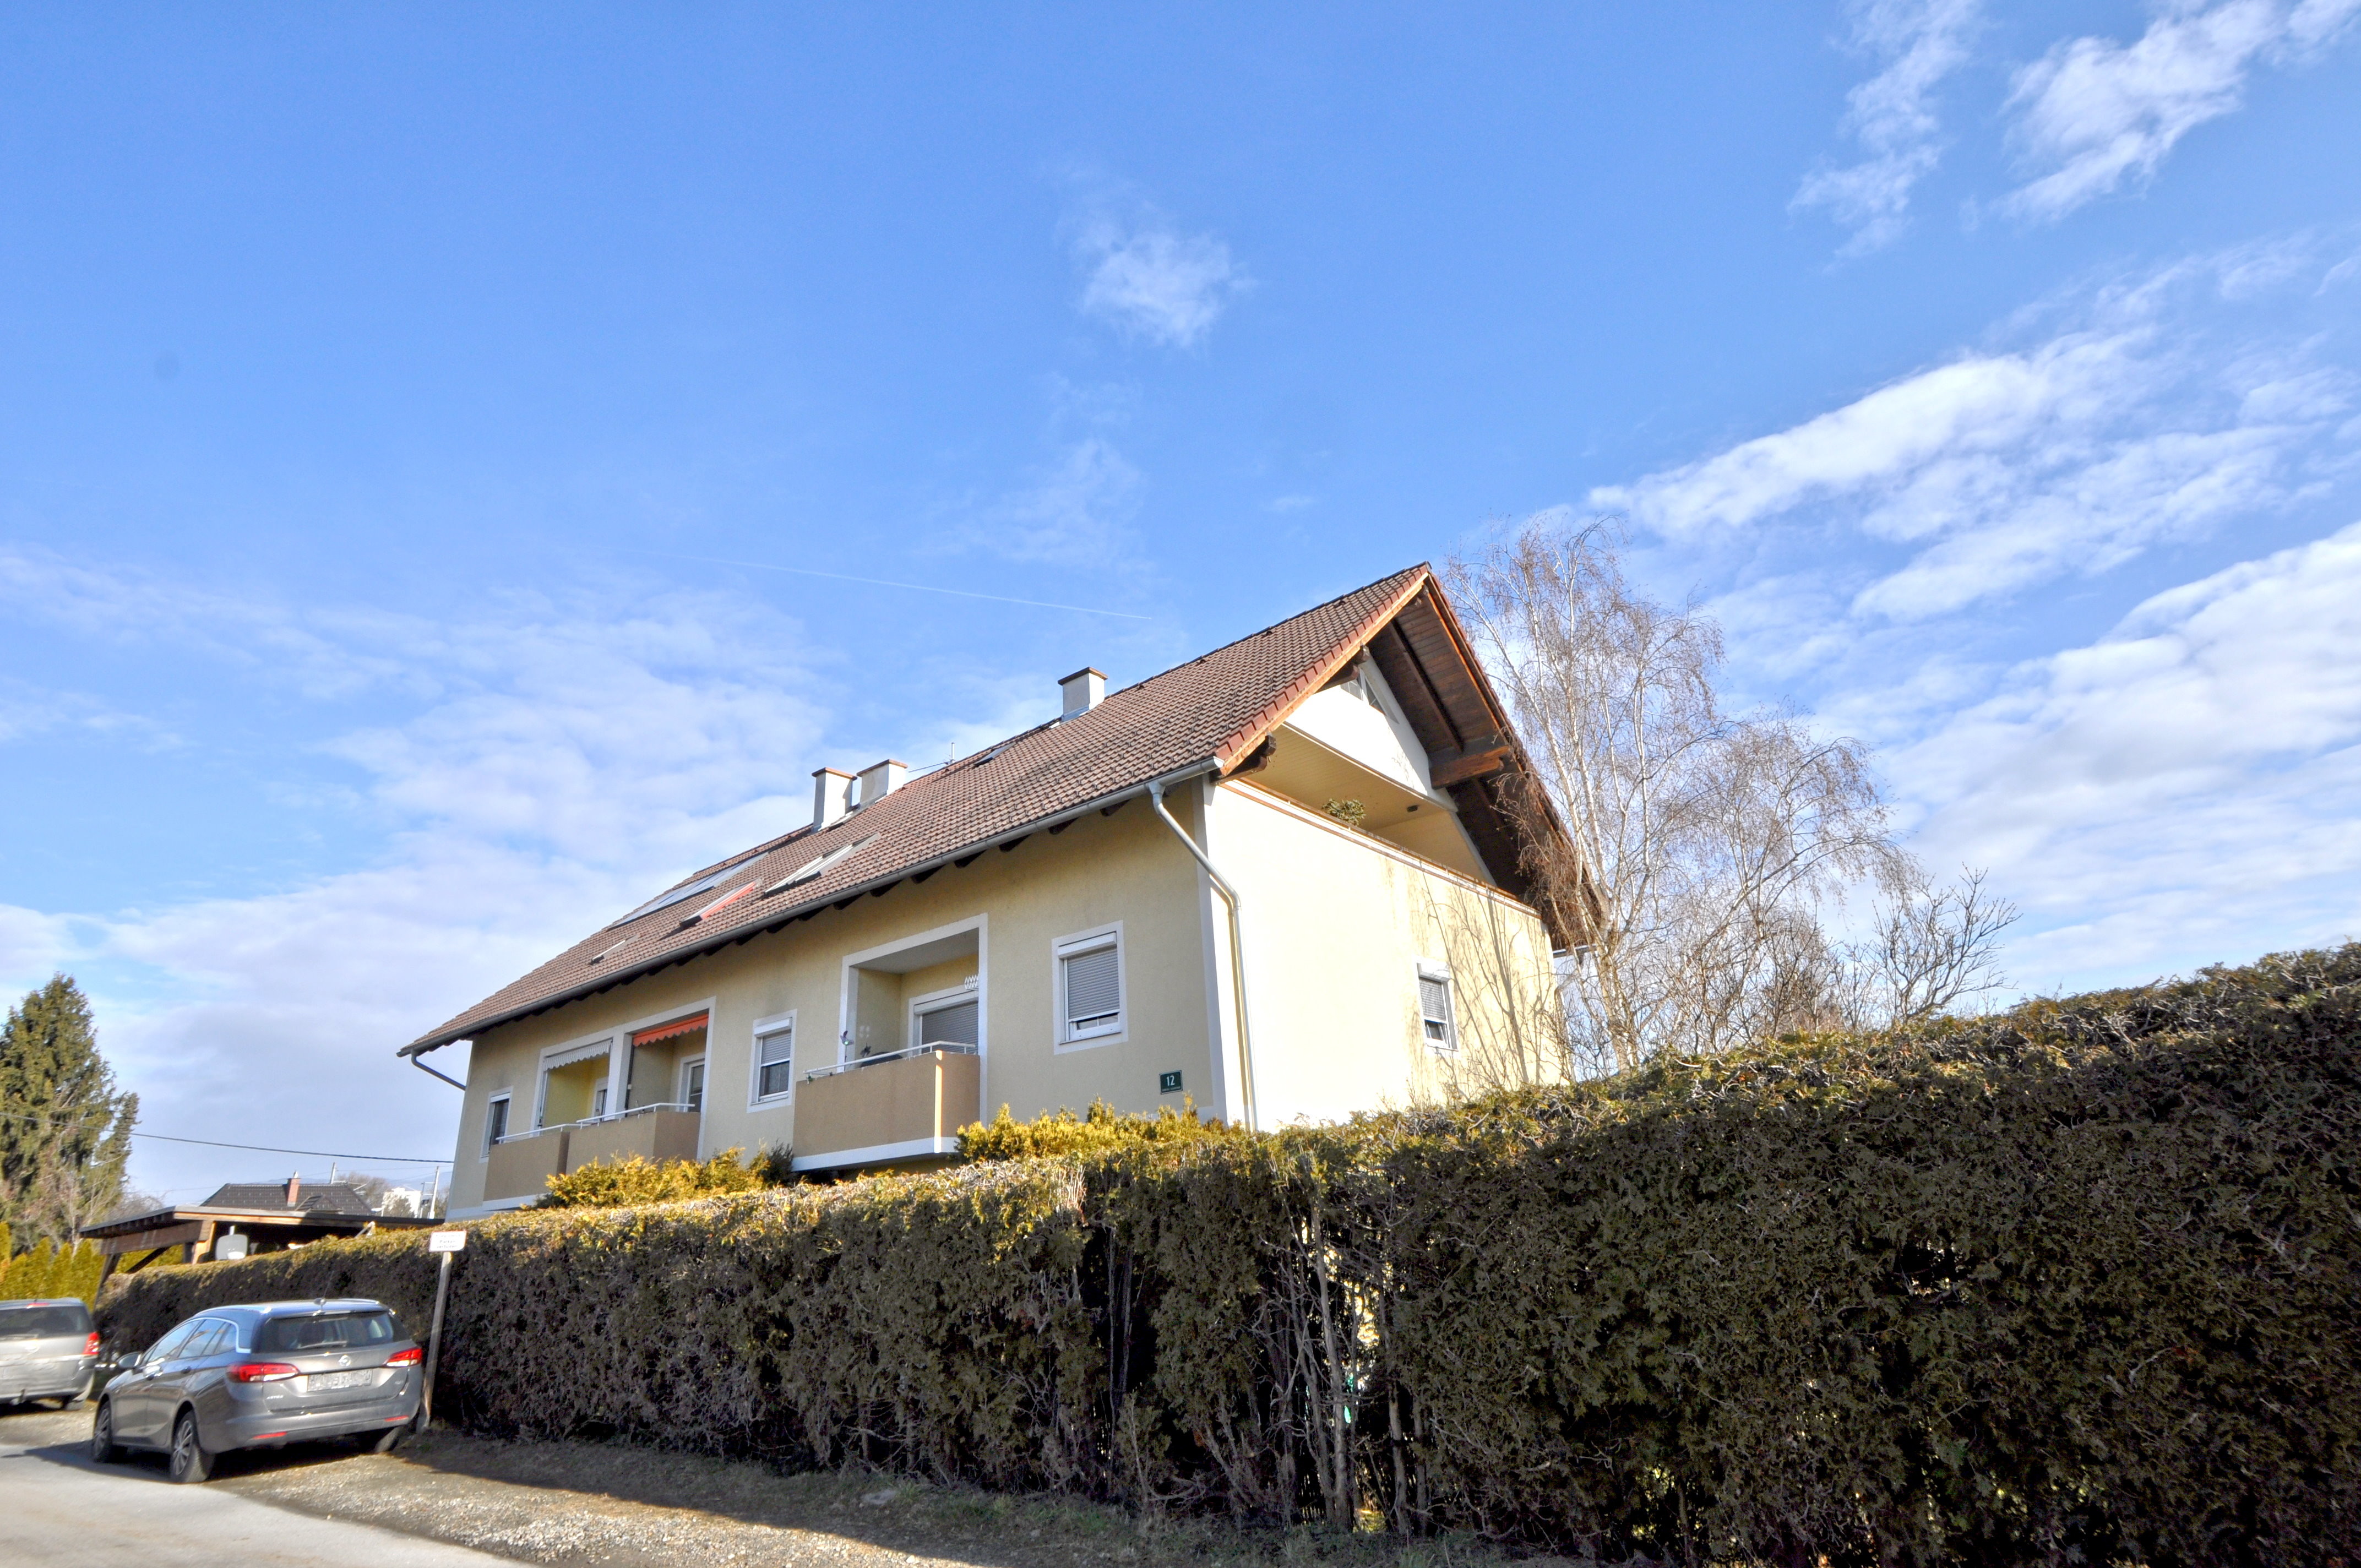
(261, 1196)
(1202, 715)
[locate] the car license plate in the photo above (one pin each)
(323, 1381)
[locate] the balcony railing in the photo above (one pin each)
(601, 1119)
(950, 1048)
(522, 1164)
(883, 1110)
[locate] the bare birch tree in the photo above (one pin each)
(1706, 846)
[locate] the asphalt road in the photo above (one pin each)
(60, 1510)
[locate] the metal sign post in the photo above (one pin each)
(445, 1243)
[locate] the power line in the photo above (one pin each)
(267, 1148)
(259, 1148)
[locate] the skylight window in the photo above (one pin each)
(818, 865)
(718, 905)
(666, 900)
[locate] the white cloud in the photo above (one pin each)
(554, 764)
(2180, 791)
(1892, 115)
(2004, 469)
(2095, 113)
(1075, 513)
(1148, 278)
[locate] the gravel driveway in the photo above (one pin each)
(608, 1503)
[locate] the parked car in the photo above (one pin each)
(263, 1376)
(47, 1349)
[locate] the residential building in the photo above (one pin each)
(1281, 881)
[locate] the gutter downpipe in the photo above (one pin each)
(1237, 947)
(445, 1076)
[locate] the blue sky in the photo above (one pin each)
(404, 412)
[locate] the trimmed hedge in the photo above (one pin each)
(631, 1180)
(2073, 1284)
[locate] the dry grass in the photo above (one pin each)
(610, 1503)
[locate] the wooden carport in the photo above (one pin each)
(143, 1238)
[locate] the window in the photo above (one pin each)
(692, 1083)
(167, 1347)
(947, 1020)
(666, 900)
(495, 1122)
(318, 1332)
(1435, 1018)
(598, 1100)
(1090, 985)
(819, 865)
(217, 1339)
(774, 1061)
(46, 1322)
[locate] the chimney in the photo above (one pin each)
(879, 780)
(1084, 689)
(294, 1188)
(831, 793)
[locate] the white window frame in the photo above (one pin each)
(755, 1099)
(505, 1097)
(1428, 970)
(680, 1084)
(937, 1001)
(1074, 944)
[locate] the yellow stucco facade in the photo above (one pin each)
(1340, 926)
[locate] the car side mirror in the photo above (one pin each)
(133, 1359)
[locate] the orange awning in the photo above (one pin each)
(669, 1031)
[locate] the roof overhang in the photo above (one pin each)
(735, 935)
(320, 1218)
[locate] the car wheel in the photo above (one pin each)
(68, 1401)
(191, 1461)
(104, 1448)
(391, 1439)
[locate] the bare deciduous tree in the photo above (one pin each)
(1706, 846)
(1931, 949)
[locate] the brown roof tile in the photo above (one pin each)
(1205, 714)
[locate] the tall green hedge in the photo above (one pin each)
(2075, 1283)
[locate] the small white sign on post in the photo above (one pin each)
(446, 1241)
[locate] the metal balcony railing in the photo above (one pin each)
(949, 1047)
(599, 1119)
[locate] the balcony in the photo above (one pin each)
(520, 1166)
(881, 1110)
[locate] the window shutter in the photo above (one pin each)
(1435, 1008)
(949, 1025)
(1093, 988)
(774, 1055)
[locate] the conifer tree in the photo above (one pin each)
(65, 1132)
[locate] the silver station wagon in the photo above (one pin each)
(262, 1377)
(47, 1350)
